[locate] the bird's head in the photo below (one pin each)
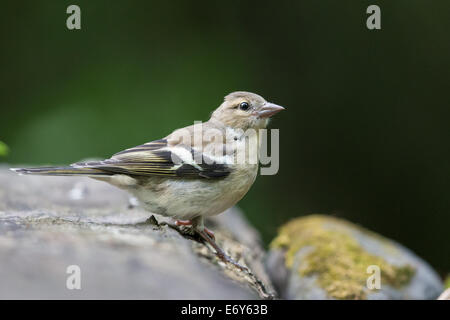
(245, 110)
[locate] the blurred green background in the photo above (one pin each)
(366, 131)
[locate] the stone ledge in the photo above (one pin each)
(49, 223)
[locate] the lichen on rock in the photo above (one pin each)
(337, 259)
(447, 282)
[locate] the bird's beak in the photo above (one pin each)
(269, 109)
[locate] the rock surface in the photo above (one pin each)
(445, 295)
(50, 223)
(321, 257)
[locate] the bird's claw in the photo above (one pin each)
(189, 222)
(208, 236)
(219, 252)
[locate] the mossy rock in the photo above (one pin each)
(322, 257)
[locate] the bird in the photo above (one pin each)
(195, 172)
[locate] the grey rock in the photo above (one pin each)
(291, 283)
(445, 295)
(50, 223)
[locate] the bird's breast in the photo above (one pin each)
(188, 198)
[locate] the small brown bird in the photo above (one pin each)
(194, 172)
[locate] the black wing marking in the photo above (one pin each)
(155, 159)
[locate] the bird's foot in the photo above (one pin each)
(189, 222)
(208, 236)
(219, 252)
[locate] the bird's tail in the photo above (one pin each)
(62, 171)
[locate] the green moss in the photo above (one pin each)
(4, 150)
(447, 282)
(337, 259)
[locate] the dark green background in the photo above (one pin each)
(366, 131)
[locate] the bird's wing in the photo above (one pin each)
(158, 158)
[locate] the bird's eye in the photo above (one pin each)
(244, 106)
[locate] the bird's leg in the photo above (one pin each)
(189, 222)
(183, 222)
(200, 229)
